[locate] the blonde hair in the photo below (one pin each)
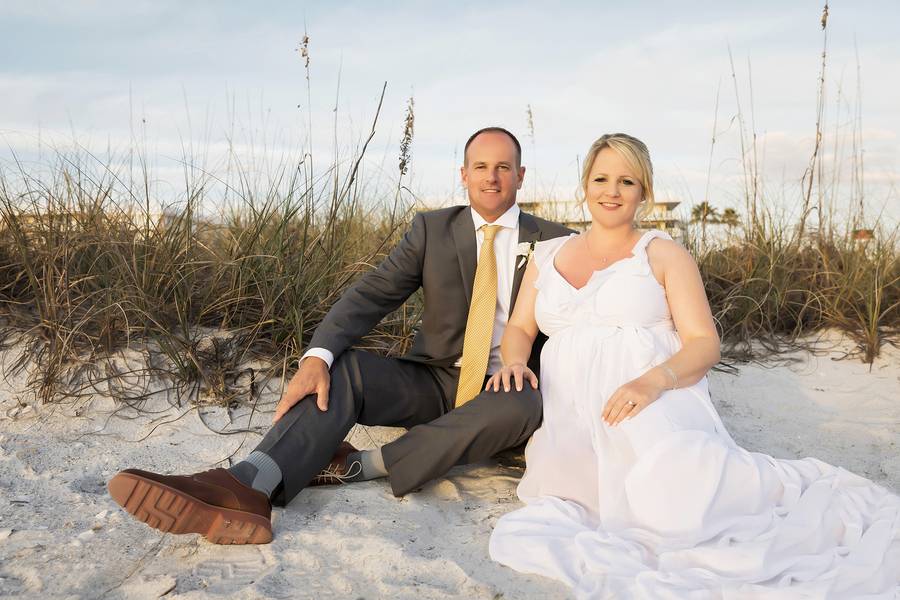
(635, 153)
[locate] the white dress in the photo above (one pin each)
(666, 505)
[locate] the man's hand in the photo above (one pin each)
(311, 378)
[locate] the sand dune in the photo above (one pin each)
(61, 536)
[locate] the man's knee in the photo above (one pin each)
(515, 410)
(346, 380)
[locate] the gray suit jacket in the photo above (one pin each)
(438, 255)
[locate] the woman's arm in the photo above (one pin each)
(690, 312)
(521, 329)
(518, 337)
(693, 320)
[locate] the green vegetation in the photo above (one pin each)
(86, 271)
(217, 305)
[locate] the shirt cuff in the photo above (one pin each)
(322, 353)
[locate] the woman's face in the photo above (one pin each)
(613, 190)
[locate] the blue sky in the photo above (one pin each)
(176, 73)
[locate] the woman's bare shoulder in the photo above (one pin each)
(668, 257)
(667, 250)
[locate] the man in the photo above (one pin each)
(435, 390)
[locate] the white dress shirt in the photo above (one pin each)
(506, 244)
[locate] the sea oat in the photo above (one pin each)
(530, 116)
(304, 52)
(406, 141)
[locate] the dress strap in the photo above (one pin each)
(544, 253)
(547, 249)
(640, 249)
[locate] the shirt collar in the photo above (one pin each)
(509, 219)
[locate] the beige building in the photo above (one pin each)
(663, 217)
(573, 214)
(570, 213)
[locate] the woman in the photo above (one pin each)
(633, 487)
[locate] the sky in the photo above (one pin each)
(199, 78)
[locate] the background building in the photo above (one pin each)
(572, 213)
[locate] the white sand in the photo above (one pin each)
(61, 536)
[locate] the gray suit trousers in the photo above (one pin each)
(374, 390)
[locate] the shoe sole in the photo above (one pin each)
(172, 511)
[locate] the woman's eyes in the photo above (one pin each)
(624, 181)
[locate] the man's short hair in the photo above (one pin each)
(494, 130)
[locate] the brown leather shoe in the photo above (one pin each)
(337, 470)
(212, 503)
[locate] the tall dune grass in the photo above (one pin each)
(88, 270)
(778, 280)
(773, 289)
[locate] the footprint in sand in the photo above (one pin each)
(20, 583)
(225, 577)
(10, 585)
(92, 483)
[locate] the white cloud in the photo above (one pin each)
(588, 70)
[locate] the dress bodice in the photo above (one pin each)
(626, 293)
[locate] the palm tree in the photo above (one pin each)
(704, 213)
(731, 218)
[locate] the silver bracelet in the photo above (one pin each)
(672, 375)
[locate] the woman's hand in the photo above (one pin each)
(518, 372)
(630, 399)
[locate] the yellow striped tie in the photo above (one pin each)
(480, 323)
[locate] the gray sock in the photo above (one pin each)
(371, 465)
(258, 471)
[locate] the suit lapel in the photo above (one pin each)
(528, 232)
(463, 231)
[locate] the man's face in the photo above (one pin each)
(491, 175)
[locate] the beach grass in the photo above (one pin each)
(87, 271)
(222, 289)
(774, 288)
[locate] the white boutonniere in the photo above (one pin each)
(524, 251)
